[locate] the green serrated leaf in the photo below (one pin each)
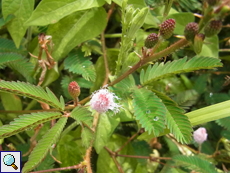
(53, 97)
(27, 121)
(224, 122)
(194, 163)
(28, 90)
(8, 46)
(51, 11)
(8, 57)
(149, 110)
(176, 121)
(82, 114)
(77, 63)
(22, 10)
(105, 128)
(158, 71)
(75, 29)
(43, 146)
(24, 67)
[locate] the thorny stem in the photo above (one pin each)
(59, 169)
(113, 155)
(145, 157)
(179, 44)
(105, 59)
(127, 142)
(88, 151)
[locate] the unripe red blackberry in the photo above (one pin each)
(198, 42)
(74, 89)
(151, 40)
(212, 28)
(191, 30)
(167, 28)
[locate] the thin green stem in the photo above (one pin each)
(118, 35)
(20, 139)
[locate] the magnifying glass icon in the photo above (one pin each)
(9, 160)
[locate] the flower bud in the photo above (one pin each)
(167, 28)
(200, 135)
(198, 42)
(212, 28)
(151, 40)
(191, 30)
(103, 100)
(74, 89)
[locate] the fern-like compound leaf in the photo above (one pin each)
(8, 46)
(224, 122)
(195, 163)
(31, 91)
(44, 145)
(82, 114)
(176, 121)
(149, 110)
(27, 121)
(178, 66)
(20, 66)
(77, 63)
(8, 57)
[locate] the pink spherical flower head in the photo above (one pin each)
(200, 135)
(103, 100)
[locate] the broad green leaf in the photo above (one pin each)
(31, 91)
(82, 114)
(51, 11)
(104, 130)
(176, 121)
(195, 163)
(210, 47)
(27, 121)
(11, 102)
(43, 146)
(22, 10)
(86, 136)
(5, 21)
(77, 63)
(158, 71)
(182, 19)
(69, 151)
(75, 29)
(106, 164)
(149, 110)
(209, 113)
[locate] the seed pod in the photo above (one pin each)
(212, 28)
(151, 40)
(167, 28)
(191, 30)
(74, 89)
(198, 42)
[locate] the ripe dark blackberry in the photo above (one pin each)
(212, 28)
(151, 40)
(191, 30)
(167, 28)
